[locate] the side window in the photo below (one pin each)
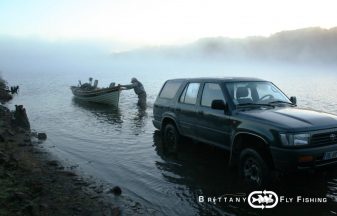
(212, 91)
(190, 94)
(170, 89)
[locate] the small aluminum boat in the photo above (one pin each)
(98, 95)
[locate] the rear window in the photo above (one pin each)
(170, 89)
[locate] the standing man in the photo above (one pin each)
(139, 90)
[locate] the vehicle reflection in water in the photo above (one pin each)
(204, 171)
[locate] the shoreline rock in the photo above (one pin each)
(20, 118)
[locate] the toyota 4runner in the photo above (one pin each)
(261, 127)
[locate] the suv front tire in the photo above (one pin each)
(253, 168)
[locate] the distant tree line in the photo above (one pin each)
(309, 45)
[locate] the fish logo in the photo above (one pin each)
(262, 199)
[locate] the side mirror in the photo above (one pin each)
(293, 100)
(218, 105)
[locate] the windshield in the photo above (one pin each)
(256, 92)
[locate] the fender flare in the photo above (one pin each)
(231, 157)
(171, 118)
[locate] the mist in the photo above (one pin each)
(303, 51)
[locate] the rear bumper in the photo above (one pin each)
(290, 160)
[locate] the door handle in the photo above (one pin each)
(178, 109)
(200, 112)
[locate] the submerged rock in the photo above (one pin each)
(42, 136)
(116, 190)
(52, 163)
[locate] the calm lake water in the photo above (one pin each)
(120, 146)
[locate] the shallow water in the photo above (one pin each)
(120, 146)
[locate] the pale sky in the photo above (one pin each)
(159, 22)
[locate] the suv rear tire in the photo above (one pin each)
(253, 169)
(171, 137)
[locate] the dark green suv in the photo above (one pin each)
(251, 118)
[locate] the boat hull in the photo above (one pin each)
(108, 96)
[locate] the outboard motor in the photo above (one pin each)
(95, 84)
(112, 85)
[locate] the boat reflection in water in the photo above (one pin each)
(104, 113)
(204, 171)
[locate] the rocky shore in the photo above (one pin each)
(31, 183)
